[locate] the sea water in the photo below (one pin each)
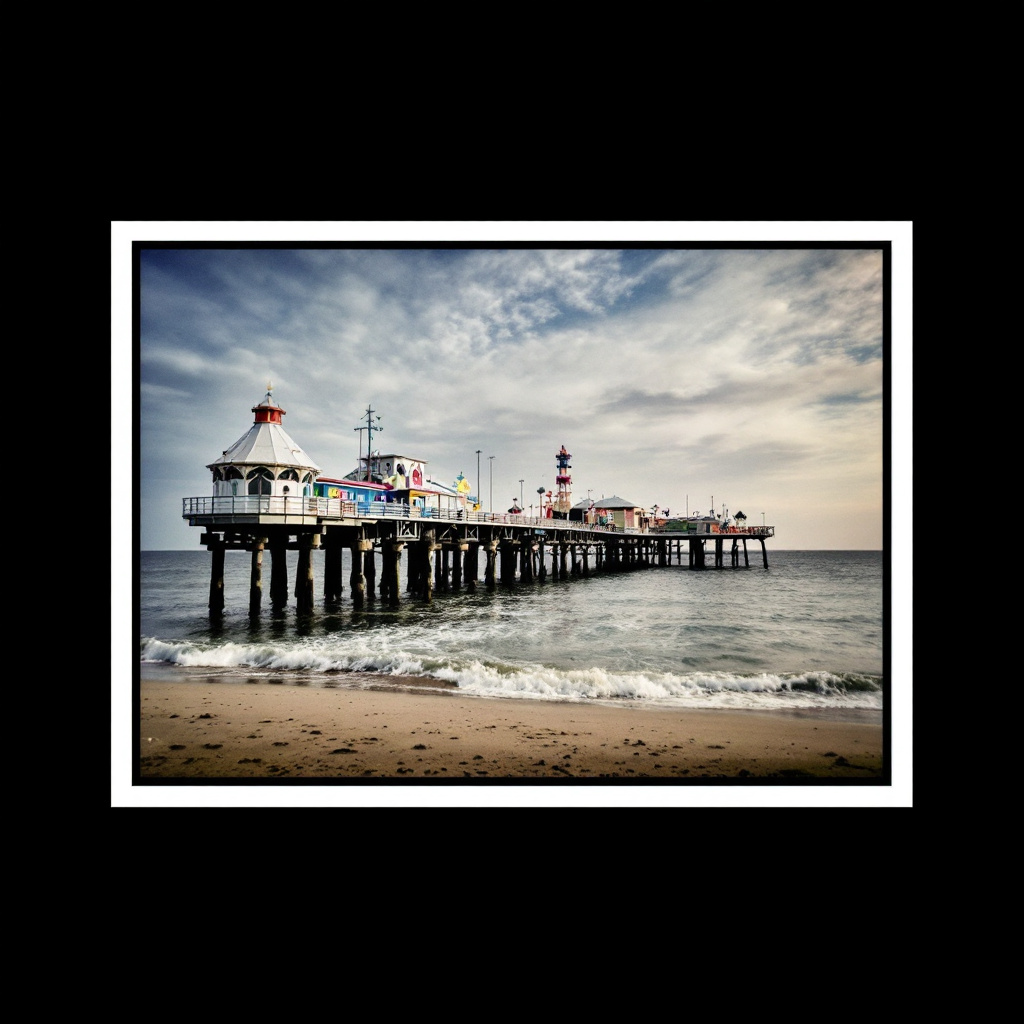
(808, 632)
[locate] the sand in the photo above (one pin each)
(196, 733)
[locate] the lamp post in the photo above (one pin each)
(540, 502)
(762, 521)
(479, 502)
(520, 492)
(490, 479)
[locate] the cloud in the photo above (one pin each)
(752, 374)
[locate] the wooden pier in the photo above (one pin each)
(442, 550)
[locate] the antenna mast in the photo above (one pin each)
(370, 428)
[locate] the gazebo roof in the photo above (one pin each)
(266, 443)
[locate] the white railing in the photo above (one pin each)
(706, 530)
(338, 509)
(265, 504)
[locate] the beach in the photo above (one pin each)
(197, 732)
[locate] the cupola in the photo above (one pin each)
(264, 460)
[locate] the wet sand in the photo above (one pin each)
(197, 733)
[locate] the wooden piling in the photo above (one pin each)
(357, 581)
(216, 603)
(333, 548)
(429, 553)
(304, 576)
(490, 550)
(279, 569)
(458, 547)
(390, 577)
(370, 573)
(256, 579)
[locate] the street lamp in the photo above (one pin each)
(762, 520)
(540, 501)
(490, 478)
(478, 501)
(520, 492)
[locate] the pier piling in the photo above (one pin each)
(444, 557)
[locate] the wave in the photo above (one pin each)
(718, 689)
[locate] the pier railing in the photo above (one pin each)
(338, 510)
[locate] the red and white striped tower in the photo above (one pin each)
(563, 482)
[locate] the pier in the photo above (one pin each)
(442, 549)
(269, 496)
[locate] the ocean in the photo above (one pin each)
(807, 633)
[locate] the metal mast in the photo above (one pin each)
(370, 428)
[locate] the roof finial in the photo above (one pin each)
(270, 389)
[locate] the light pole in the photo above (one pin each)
(762, 521)
(490, 478)
(540, 502)
(478, 500)
(520, 492)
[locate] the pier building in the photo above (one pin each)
(269, 496)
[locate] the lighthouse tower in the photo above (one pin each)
(563, 482)
(265, 460)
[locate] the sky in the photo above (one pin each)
(687, 366)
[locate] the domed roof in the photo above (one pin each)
(266, 443)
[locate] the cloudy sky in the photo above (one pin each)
(744, 364)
